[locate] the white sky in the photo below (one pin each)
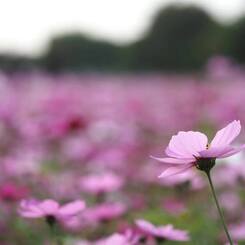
(27, 25)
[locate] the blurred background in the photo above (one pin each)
(89, 89)
(119, 36)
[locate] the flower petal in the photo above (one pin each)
(169, 233)
(233, 151)
(186, 144)
(145, 226)
(29, 214)
(49, 206)
(174, 160)
(72, 208)
(175, 170)
(215, 151)
(226, 135)
(30, 208)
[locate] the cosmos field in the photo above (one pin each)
(90, 137)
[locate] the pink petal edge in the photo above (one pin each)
(175, 170)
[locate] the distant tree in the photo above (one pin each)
(181, 38)
(234, 41)
(10, 62)
(76, 52)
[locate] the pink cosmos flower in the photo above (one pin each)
(166, 232)
(188, 149)
(50, 210)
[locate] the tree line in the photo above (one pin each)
(181, 38)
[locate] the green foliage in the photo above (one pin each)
(75, 52)
(12, 62)
(180, 38)
(234, 41)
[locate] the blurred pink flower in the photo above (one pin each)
(220, 67)
(230, 202)
(97, 184)
(192, 178)
(82, 242)
(236, 173)
(12, 192)
(105, 212)
(115, 239)
(50, 210)
(166, 232)
(188, 149)
(238, 231)
(174, 206)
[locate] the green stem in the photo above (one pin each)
(54, 234)
(218, 207)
